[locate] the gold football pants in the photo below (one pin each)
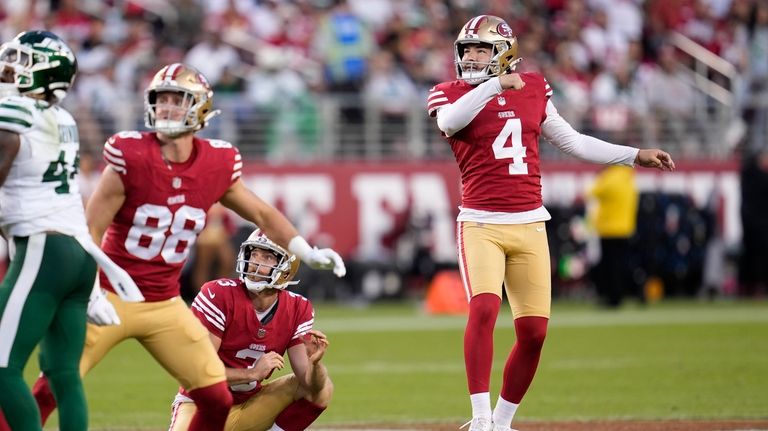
(168, 331)
(258, 413)
(515, 255)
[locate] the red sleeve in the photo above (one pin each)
(227, 157)
(122, 152)
(210, 305)
(305, 318)
(547, 89)
(439, 95)
(543, 88)
(237, 165)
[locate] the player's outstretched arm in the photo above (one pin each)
(249, 206)
(279, 229)
(317, 258)
(655, 158)
(104, 203)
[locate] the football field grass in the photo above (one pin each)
(394, 364)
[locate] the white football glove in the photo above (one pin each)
(317, 258)
(100, 310)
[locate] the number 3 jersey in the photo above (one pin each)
(41, 192)
(225, 309)
(498, 151)
(165, 206)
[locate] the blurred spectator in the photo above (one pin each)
(699, 25)
(758, 76)
(329, 45)
(344, 44)
(229, 83)
(185, 29)
(605, 47)
(285, 107)
(96, 92)
(671, 100)
(134, 55)
(69, 22)
(617, 102)
(732, 35)
(614, 218)
(375, 13)
(719, 8)
(212, 56)
(392, 94)
(625, 17)
(753, 263)
(570, 83)
(265, 19)
(231, 18)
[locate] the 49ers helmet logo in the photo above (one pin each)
(504, 30)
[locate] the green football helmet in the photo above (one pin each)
(42, 63)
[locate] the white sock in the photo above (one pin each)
(504, 412)
(481, 405)
(276, 428)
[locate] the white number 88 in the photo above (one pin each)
(160, 241)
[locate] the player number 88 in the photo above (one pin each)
(170, 235)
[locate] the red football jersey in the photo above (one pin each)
(498, 151)
(224, 308)
(165, 206)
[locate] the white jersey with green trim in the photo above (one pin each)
(41, 193)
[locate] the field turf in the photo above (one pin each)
(392, 364)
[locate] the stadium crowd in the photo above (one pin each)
(609, 62)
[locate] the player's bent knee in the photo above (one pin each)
(214, 399)
(531, 331)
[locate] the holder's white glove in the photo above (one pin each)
(100, 310)
(317, 258)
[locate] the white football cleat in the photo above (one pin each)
(497, 427)
(479, 424)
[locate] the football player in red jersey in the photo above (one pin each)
(252, 321)
(147, 210)
(493, 118)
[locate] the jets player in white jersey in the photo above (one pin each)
(45, 293)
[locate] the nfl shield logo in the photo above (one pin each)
(501, 100)
(261, 333)
(176, 183)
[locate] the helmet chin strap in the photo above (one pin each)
(258, 286)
